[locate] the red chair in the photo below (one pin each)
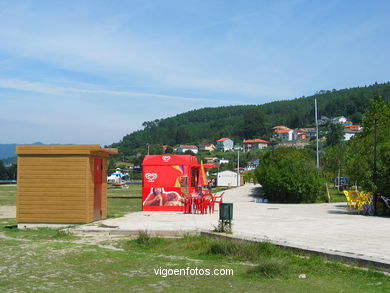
(207, 203)
(188, 205)
(217, 199)
(199, 205)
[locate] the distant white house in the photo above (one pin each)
(183, 148)
(207, 147)
(221, 161)
(351, 130)
(349, 134)
(225, 144)
(252, 144)
(303, 133)
(283, 132)
(227, 178)
(323, 120)
(339, 119)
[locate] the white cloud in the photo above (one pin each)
(44, 88)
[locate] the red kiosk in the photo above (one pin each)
(168, 179)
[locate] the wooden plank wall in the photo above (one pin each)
(52, 189)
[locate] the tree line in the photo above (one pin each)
(249, 121)
(7, 173)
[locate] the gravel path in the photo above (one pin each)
(322, 227)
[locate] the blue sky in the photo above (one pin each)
(93, 71)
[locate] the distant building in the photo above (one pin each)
(339, 119)
(303, 133)
(351, 130)
(299, 134)
(225, 144)
(283, 132)
(164, 147)
(227, 178)
(207, 147)
(252, 165)
(183, 148)
(221, 161)
(323, 120)
(210, 160)
(298, 144)
(252, 144)
(353, 127)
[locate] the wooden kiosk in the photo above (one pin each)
(61, 184)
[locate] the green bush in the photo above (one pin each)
(289, 175)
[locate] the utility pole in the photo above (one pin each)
(316, 117)
(237, 147)
(375, 171)
(148, 145)
(238, 166)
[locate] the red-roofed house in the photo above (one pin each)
(353, 127)
(252, 144)
(183, 148)
(283, 132)
(351, 130)
(225, 144)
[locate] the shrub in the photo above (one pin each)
(145, 239)
(244, 250)
(289, 175)
(270, 268)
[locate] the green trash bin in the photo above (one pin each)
(226, 212)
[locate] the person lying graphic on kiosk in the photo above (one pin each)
(158, 197)
(155, 198)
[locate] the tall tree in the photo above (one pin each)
(3, 171)
(360, 151)
(335, 134)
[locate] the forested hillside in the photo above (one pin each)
(249, 121)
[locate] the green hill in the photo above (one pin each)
(250, 121)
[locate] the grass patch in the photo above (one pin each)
(336, 195)
(145, 240)
(270, 268)
(244, 250)
(36, 260)
(117, 207)
(134, 190)
(7, 195)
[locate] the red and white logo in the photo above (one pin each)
(166, 159)
(151, 177)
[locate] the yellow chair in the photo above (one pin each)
(353, 199)
(349, 203)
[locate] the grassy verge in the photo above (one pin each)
(123, 201)
(45, 260)
(134, 190)
(7, 195)
(117, 206)
(336, 195)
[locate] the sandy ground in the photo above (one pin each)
(322, 227)
(7, 212)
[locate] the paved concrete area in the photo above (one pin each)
(327, 228)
